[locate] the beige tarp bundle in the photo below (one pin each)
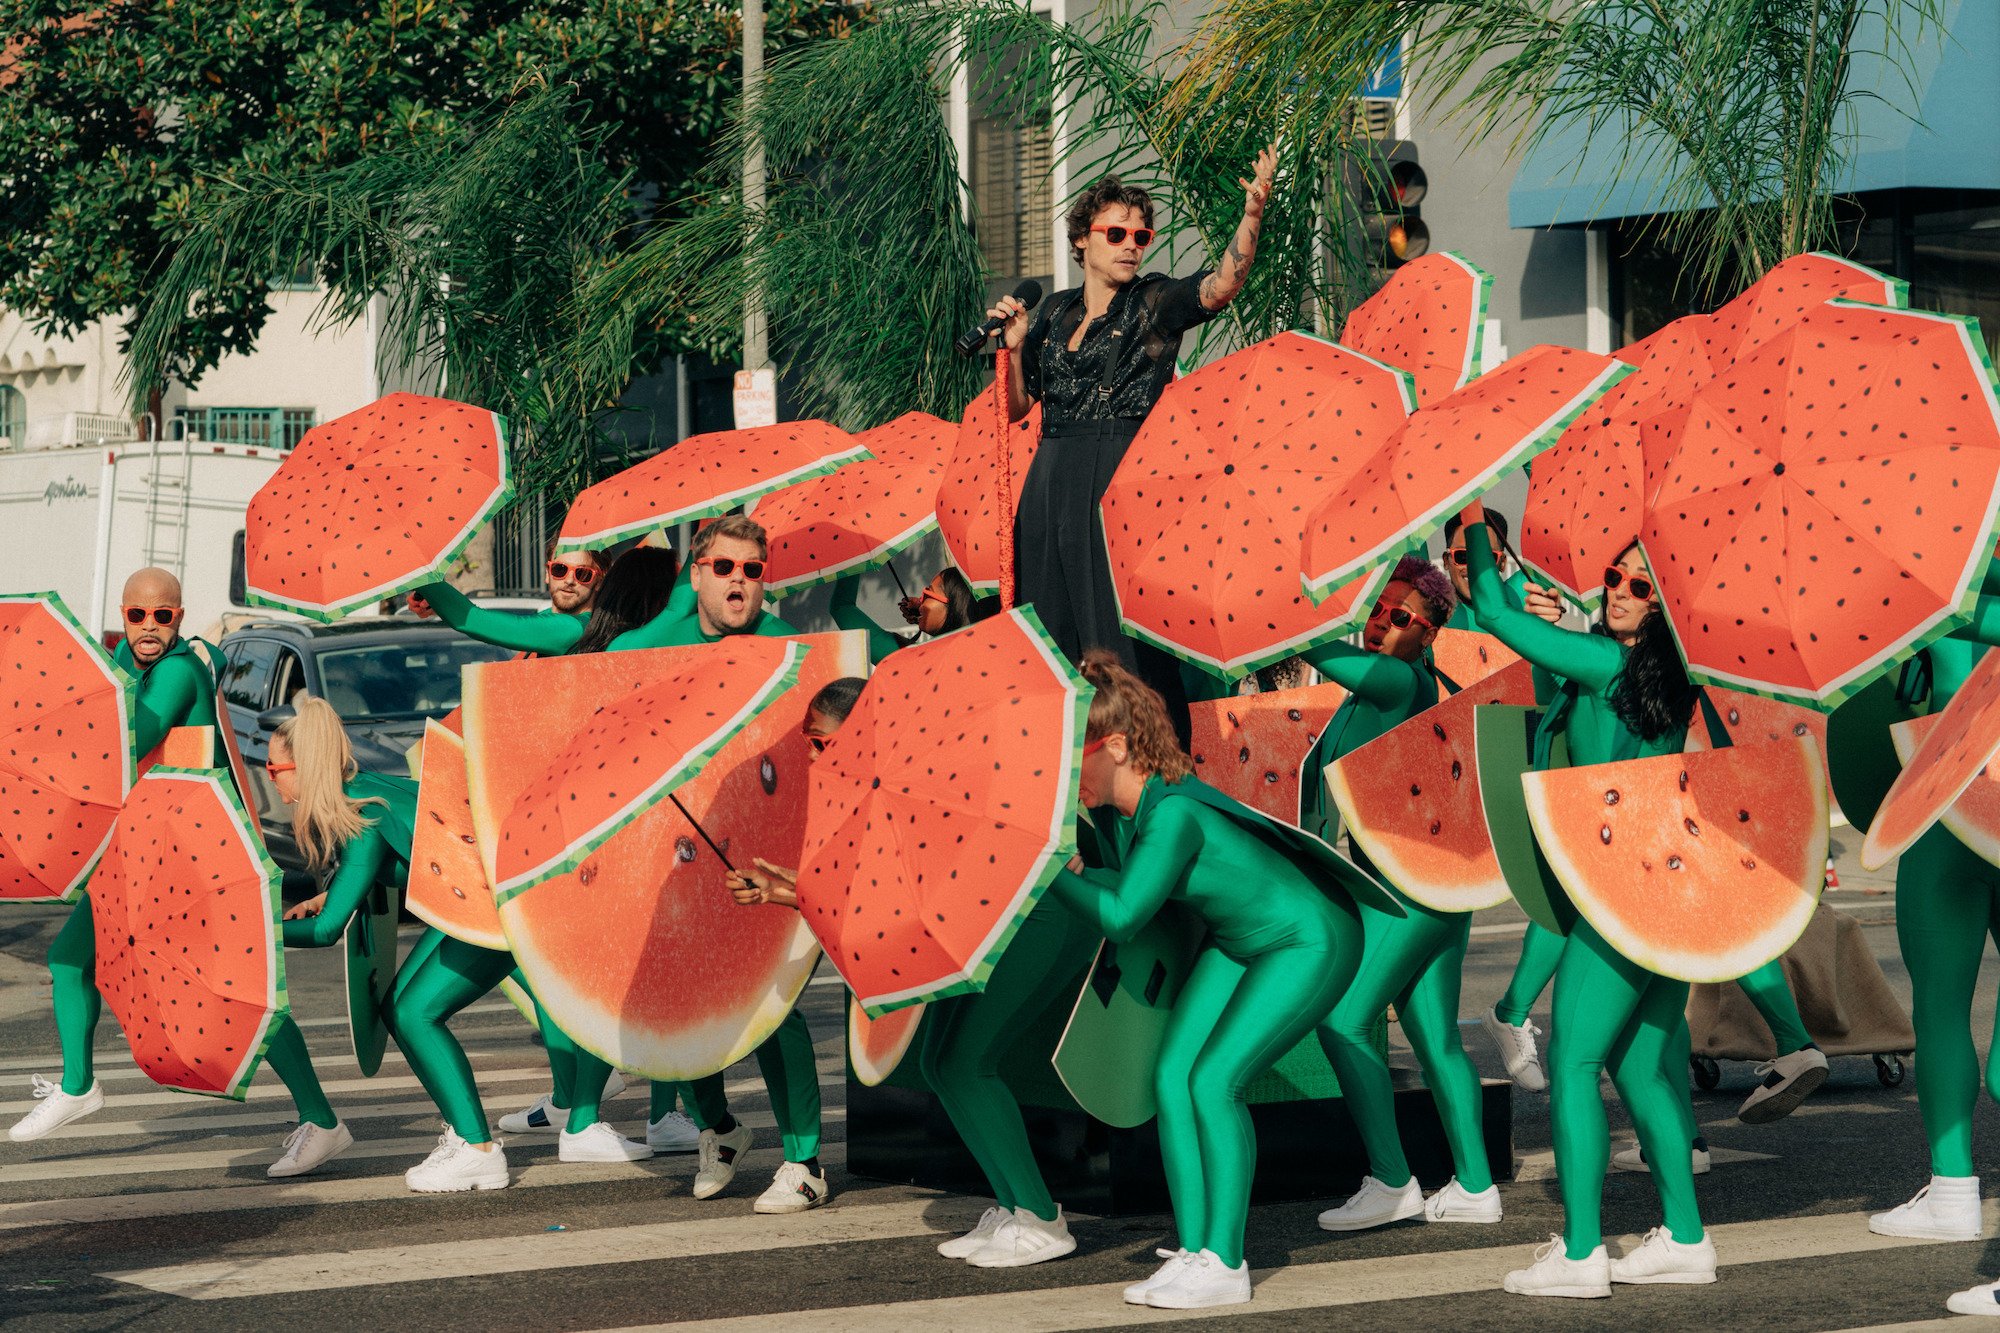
(1842, 995)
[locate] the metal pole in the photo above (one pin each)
(756, 337)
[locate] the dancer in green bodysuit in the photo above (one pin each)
(1414, 961)
(1282, 945)
(1627, 696)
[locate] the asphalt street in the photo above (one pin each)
(155, 1212)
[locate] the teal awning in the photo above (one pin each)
(1934, 126)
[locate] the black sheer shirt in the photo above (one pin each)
(1144, 324)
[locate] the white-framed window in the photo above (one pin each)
(13, 418)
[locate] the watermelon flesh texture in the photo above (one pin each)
(447, 886)
(1753, 717)
(184, 747)
(1429, 319)
(1410, 798)
(875, 1046)
(188, 958)
(639, 953)
(1254, 746)
(1974, 818)
(1468, 656)
(1698, 866)
(1938, 771)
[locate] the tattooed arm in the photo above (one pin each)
(1219, 288)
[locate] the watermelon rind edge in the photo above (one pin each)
(1482, 283)
(1062, 834)
(281, 1006)
(781, 679)
(1877, 852)
(1976, 839)
(860, 564)
(567, 543)
(432, 572)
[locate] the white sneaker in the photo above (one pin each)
(1025, 1239)
(1700, 1160)
(1375, 1205)
(455, 1165)
(1136, 1293)
(793, 1190)
(973, 1241)
(310, 1147)
(1200, 1282)
(543, 1113)
(1788, 1080)
(1976, 1300)
(1661, 1258)
(57, 1109)
(1945, 1209)
(673, 1132)
(599, 1142)
(1456, 1203)
(1517, 1050)
(719, 1156)
(1554, 1273)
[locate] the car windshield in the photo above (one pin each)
(393, 680)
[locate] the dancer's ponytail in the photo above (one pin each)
(324, 819)
(1125, 704)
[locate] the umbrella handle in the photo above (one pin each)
(1004, 501)
(726, 863)
(891, 567)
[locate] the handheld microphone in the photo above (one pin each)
(1029, 294)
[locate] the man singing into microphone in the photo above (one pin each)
(1097, 358)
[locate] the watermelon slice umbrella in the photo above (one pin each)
(968, 500)
(66, 761)
(942, 810)
(1974, 818)
(703, 476)
(1450, 451)
(374, 503)
(863, 515)
(185, 904)
(1429, 319)
(1830, 501)
(1784, 295)
(1953, 755)
(1205, 516)
(632, 753)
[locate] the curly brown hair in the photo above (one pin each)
(1108, 191)
(1125, 704)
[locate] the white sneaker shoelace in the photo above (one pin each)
(295, 1138)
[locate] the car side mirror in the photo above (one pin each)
(272, 718)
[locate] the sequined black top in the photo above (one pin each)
(1145, 322)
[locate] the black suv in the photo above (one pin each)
(384, 676)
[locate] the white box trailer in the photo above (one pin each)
(80, 518)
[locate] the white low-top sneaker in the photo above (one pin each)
(673, 1132)
(310, 1147)
(1025, 1239)
(793, 1189)
(1554, 1273)
(1984, 1300)
(1136, 1293)
(57, 1109)
(1517, 1050)
(1661, 1258)
(544, 1114)
(973, 1241)
(1456, 1203)
(455, 1165)
(1375, 1205)
(599, 1142)
(1700, 1160)
(719, 1156)
(1945, 1209)
(1788, 1080)
(1201, 1282)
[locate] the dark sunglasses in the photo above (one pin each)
(1400, 617)
(818, 742)
(1638, 585)
(722, 567)
(583, 574)
(1141, 236)
(161, 615)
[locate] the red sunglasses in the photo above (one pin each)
(161, 615)
(1638, 585)
(1141, 236)
(723, 566)
(270, 767)
(585, 575)
(1400, 617)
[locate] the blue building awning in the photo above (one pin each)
(1935, 125)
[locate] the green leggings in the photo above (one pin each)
(1947, 905)
(73, 978)
(965, 1038)
(791, 1075)
(442, 976)
(1233, 1021)
(1612, 1013)
(1416, 962)
(1541, 951)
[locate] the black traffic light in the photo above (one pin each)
(1396, 189)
